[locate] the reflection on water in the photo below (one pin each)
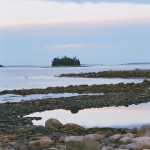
(18, 98)
(132, 116)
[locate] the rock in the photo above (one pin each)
(100, 132)
(121, 149)
(53, 123)
(44, 141)
(81, 143)
(139, 143)
(95, 137)
(21, 130)
(107, 148)
(105, 142)
(61, 147)
(3, 139)
(73, 126)
(74, 138)
(144, 131)
(62, 139)
(125, 140)
(75, 108)
(115, 137)
(128, 135)
(12, 138)
(8, 138)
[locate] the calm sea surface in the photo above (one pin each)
(19, 78)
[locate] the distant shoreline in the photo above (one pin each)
(82, 65)
(136, 64)
(32, 66)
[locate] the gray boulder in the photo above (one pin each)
(81, 143)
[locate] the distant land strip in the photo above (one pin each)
(137, 73)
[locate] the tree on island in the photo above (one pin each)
(66, 61)
(1, 66)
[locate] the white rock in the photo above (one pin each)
(74, 138)
(115, 137)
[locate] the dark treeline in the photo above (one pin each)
(65, 61)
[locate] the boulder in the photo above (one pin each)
(115, 137)
(128, 135)
(62, 139)
(95, 137)
(53, 123)
(43, 141)
(144, 131)
(125, 140)
(73, 126)
(21, 130)
(100, 132)
(8, 138)
(3, 138)
(139, 143)
(12, 138)
(81, 143)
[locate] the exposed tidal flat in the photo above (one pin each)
(18, 131)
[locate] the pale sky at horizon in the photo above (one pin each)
(107, 32)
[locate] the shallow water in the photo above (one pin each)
(132, 116)
(18, 98)
(19, 78)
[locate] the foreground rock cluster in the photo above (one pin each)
(56, 136)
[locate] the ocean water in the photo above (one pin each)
(19, 77)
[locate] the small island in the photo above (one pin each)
(65, 61)
(1, 65)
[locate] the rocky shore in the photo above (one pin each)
(18, 132)
(112, 74)
(104, 88)
(56, 136)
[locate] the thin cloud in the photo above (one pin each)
(65, 46)
(97, 1)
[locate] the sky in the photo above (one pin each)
(109, 32)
